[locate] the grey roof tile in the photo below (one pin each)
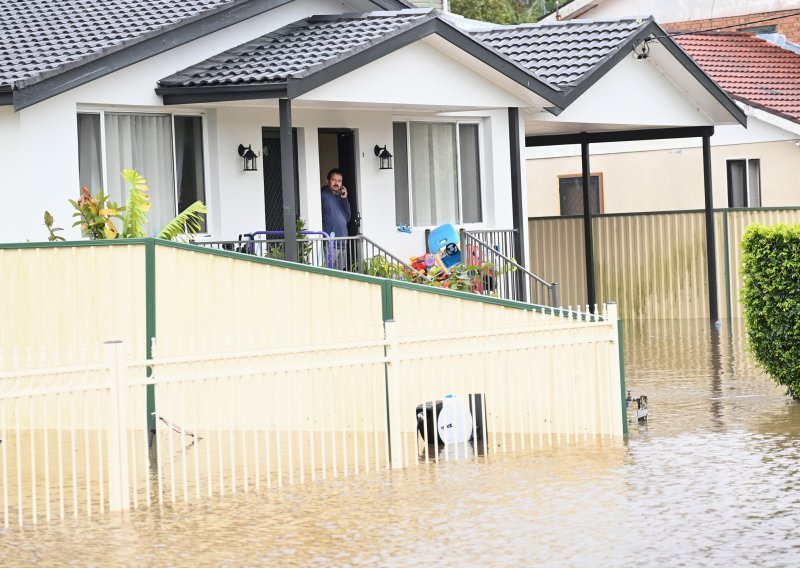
(561, 54)
(297, 49)
(37, 36)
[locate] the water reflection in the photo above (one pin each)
(709, 479)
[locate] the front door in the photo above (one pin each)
(337, 150)
(273, 192)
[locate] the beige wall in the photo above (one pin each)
(653, 265)
(668, 179)
(60, 304)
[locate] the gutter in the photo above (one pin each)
(6, 95)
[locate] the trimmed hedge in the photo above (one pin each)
(771, 299)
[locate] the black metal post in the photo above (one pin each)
(588, 240)
(711, 248)
(287, 180)
(517, 196)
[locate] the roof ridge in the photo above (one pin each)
(577, 22)
(416, 17)
(374, 14)
(431, 14)
(125, 43)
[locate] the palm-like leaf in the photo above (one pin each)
(137, 207)
(188, 221)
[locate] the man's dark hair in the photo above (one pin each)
(334, 171)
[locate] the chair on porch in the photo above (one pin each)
(445, 241)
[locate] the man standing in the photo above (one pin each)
(335, 215)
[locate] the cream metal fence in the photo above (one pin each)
(75, 439)
(653, 264)
(260, 373)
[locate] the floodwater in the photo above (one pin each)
(711, 479)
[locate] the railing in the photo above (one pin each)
(315, 248)
(508, 279)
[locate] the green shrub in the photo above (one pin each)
(771, 299)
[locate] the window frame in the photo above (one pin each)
(600, 195)
(101, 111)
(459, 187)
(746, 179)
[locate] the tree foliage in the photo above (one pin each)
(503, 11)
(771, 299)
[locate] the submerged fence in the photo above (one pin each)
(75, 439)
(236, 373)
(653, 264)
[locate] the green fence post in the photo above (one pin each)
(150, 331)
(611, 313)
(727, 246)
(390, 374)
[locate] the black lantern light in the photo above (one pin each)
(248, 158)
(384, 156)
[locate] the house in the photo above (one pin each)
(176, 90)
(753, 167)
(759, 16)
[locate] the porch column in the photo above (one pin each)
(588, 240)
(517, 196)
(711, 249)
(287, 180)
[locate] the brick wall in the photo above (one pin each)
(788, 26)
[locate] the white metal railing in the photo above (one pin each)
(230, 420)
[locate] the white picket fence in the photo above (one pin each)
(75, 439)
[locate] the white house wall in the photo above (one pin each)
(668, 178)
(48, 171)
(241, 193)
(14, 187)
(634, 92)
(683, 10)
(417, 74)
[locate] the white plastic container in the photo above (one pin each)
(454, 421)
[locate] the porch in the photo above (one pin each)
(487, 258)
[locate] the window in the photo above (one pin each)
(437, 173)
(167, 150)
(570, 194)
(757, 30)
(744, 183)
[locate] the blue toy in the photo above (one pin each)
(445, 241)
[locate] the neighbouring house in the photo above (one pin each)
(174, 89)
(753, 167)
(755, 16)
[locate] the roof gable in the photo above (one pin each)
(297, 50)
(750, 69)
(302, 56)
(563, 54)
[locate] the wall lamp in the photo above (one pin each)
(384, 156)
(248, 158)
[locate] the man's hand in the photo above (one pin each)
(343, 192)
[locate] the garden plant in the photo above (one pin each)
(771, 299)
(98, 217)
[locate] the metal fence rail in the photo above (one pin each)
(315, 248)
(653, 263)
(508, 279)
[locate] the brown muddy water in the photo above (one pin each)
(710, 480)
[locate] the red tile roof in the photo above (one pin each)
(750, 69)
